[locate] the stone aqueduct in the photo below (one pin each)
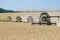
(28, 16)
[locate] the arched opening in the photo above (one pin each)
(44, 18)
(30, 19)
(18, 19)
(9, 19)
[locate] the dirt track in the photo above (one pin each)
(20, 31)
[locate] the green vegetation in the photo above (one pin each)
(18, 19)
(44, 19)
(3, 20)
(5, 11)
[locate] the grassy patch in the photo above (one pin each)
(3, 20)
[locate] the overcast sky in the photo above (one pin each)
(30, 4)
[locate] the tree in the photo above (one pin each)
(5, 11)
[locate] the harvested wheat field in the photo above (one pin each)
(26, 31)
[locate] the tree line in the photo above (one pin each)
(12, 11)
(5, 11)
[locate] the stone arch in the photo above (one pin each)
(30, 19)
(45, 18)
(9, 18)
(18, 19)
(45, 14)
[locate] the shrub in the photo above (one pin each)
(18, 19)
(44, 19)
